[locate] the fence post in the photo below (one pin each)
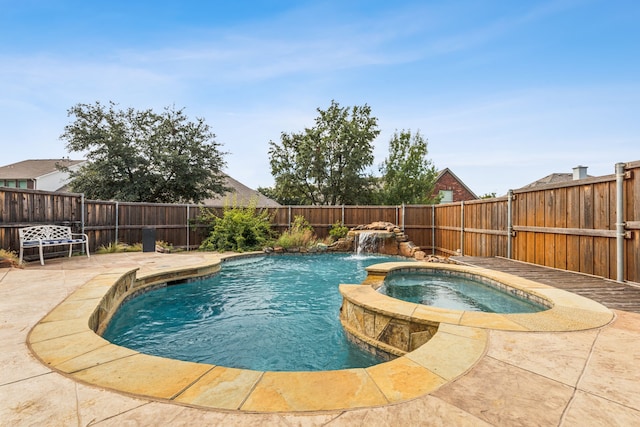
(509, 223)
(620, 224)
(117, 220)
(433, 229)
(397, 217)
(82, 212)
(81, 219)
(462, 228)
(187, 228)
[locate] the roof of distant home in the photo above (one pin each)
(240, 195)
(553, 178)
(34, 168)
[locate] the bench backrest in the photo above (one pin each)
(44, 232)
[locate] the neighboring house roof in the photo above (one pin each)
(550, 179)
(445, 171)
(240, 195)
(553, 178)
(40, 174)
(33, 169)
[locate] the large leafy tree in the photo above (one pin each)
(143, 156)
(408, 176)
(326, 164)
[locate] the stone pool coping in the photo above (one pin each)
(65, 341)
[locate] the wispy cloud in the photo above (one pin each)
(482, 32)
(297, 43)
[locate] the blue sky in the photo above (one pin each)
(505, 92)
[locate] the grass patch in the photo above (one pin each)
(113, 248)
(9, 257)
(299, 235)
(296, 239)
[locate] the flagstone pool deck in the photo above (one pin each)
(492, 377)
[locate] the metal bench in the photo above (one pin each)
(50, 235)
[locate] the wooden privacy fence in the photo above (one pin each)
(590, 226)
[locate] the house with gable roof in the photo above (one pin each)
(38, 174)
(43, 174)
(579, 172)
(240, 195)
(450, 188)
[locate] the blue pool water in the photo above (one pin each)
(272, 313)
(455, 292)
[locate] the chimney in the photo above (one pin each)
(579, 172)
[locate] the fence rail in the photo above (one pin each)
(590, 226)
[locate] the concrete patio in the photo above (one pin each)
(589, 377)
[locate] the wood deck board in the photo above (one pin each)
(612, 294)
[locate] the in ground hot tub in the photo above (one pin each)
(392, 327)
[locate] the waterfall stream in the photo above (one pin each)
(366, 242)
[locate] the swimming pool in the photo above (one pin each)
(68, 339)
(272, 313)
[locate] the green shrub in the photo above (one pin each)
(338, 230)
(239, 229)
